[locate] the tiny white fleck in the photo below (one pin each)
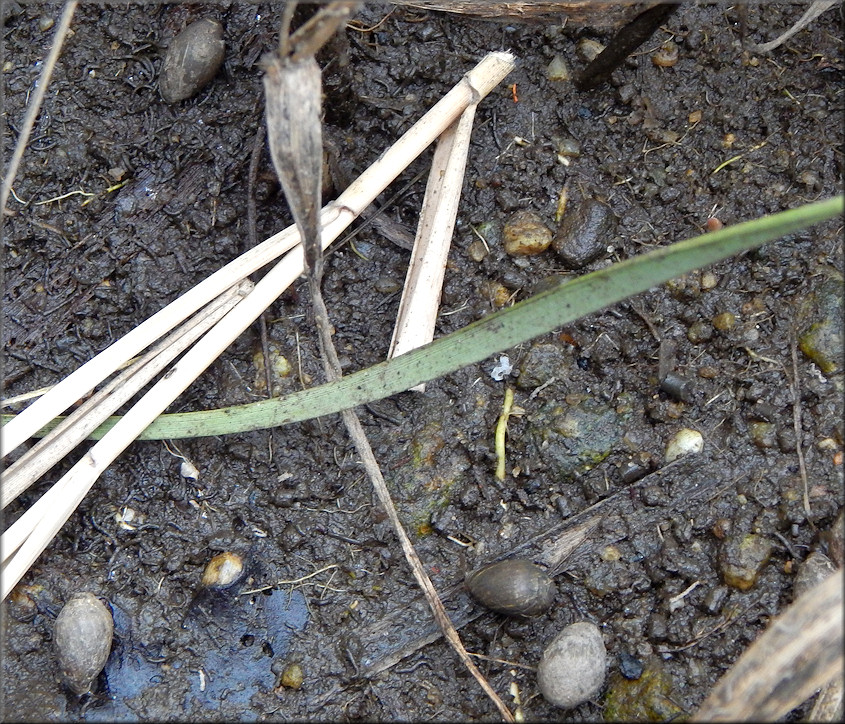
(502, 369)
(188, 470)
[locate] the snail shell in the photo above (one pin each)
(516, 587)
(223, 571)
(192, 60)
(667, 56)
(83, 636)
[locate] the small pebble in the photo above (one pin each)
(708, 281)
(477, 250)
(292, 676)
(223, 571)
(497, 294)
(742, 557)
(722, 528)
(386, 285)
(572, 669)
(699, 332)
(567, 146)
(193, 59)
(763, 434)
(684, 442)
(558, 70)
(589, 49)
(45, 22)
(525, 234)
(812, 571)
(821, 320)
(630, 666)
(584, 233)
(724, 322)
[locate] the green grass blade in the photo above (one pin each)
(530, 318)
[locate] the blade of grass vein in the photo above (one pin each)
(293, 91)
(336, 216)
(78, 425)
(35, 101)
(500, 331)
(424, 281)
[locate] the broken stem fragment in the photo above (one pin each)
(501, 429)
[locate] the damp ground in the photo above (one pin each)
(642, 548)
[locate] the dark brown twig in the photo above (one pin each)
(796, 422)
(625, 42)
(255, 157)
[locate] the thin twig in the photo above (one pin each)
(815, 9)
(255, 157)
(36, 100)
(796, 423)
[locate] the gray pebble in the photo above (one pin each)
(572, 669)
(812, 571)
(715, 599)
(584, 233)
(386, 285)
(630, 666)
(192, 60)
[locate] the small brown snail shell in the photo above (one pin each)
(223, 571)
(192, 60)
(516, 587)
(666, 56)
(83, 636)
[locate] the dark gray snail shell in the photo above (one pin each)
(515, 587)
(192, 60)
(82, 636)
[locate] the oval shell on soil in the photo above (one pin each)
(192, 60)
(83, 638)
(515, 587)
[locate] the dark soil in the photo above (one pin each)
(82, 271)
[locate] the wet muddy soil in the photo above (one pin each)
(123, 202)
